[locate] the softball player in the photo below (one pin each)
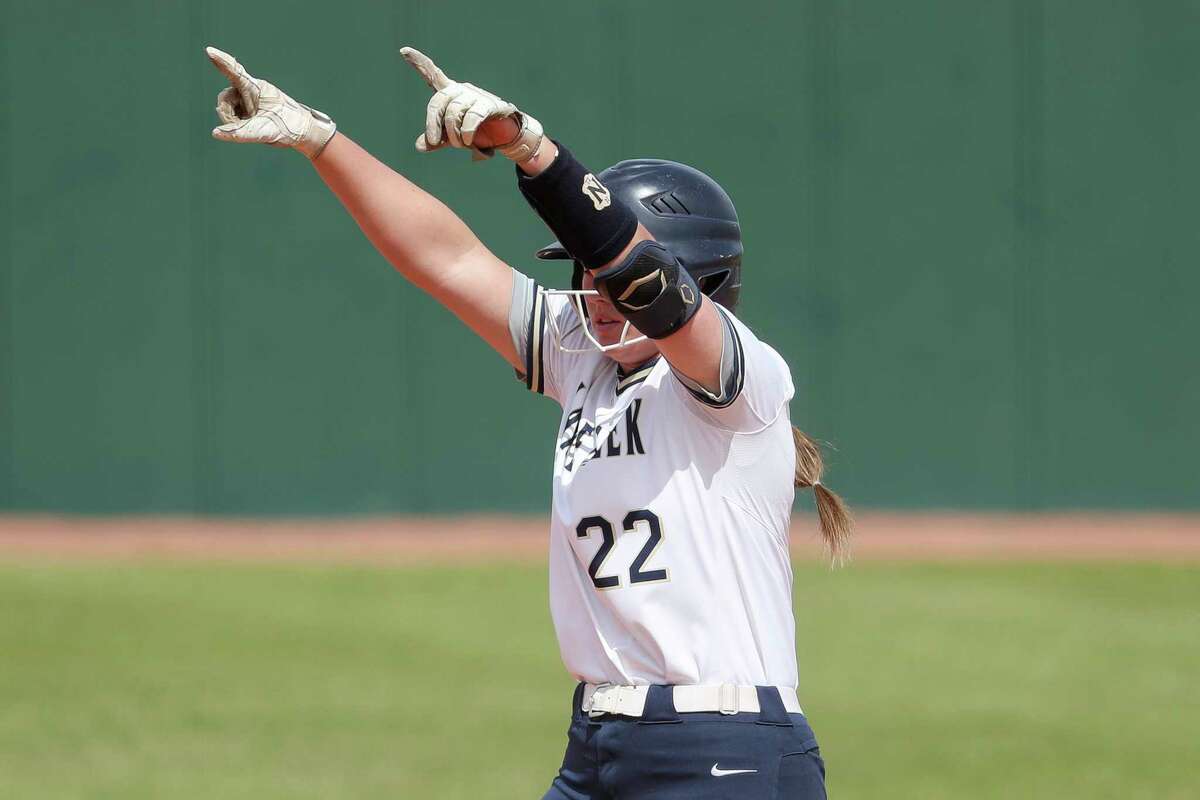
(675, 462)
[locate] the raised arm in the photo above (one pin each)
(423, 239)
(645, 283)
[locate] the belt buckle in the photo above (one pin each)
(589, 706)
(727, 699)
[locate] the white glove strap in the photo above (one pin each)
(528, 141)
(320, 130)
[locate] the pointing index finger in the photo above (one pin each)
(239, 79)
(228, 65)
(423, 64)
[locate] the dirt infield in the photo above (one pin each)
(398, 540)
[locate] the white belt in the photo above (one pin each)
(726, 698)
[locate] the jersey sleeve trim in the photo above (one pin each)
(535, 379)
(733, 375)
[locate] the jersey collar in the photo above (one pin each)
(627, 380)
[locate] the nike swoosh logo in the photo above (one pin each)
(717, 772)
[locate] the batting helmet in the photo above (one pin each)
(686, 211)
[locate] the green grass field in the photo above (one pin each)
(272, 681)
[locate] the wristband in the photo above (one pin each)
(528, 142)
(592, 226)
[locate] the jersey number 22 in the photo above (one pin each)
(636, 574)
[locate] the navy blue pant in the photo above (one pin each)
(699, 756)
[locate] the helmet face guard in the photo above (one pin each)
(575, 297)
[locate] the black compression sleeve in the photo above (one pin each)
(591, 224)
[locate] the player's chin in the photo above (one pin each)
(609, 333)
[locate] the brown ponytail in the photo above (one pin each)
(836, 522)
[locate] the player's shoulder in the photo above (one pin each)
(752, 348)
(757, 383)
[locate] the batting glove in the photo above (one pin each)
(252, 110)
(456, 111)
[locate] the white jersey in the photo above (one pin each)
(669, 529)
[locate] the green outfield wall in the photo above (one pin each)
(971, 228)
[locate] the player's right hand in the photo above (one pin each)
(457, 112)
(252, 110)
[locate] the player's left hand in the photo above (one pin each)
(466, 116)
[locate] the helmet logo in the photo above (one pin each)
(596, 191)
(687, 294)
